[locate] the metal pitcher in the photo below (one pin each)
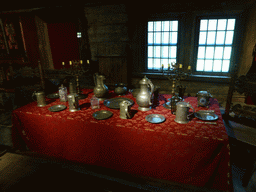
(100, 90)
(125, 110)
(182, 111)
(40, 98)
(144, 97)
(73, 102)
(203, 98)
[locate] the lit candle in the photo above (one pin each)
(189, 67)
(63, 64)
(81, 62)
(168, 66)
(70, 63)
(88, 62)
(180, 66)
(162, 67)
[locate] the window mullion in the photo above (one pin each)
(161, 43)
(153, 46)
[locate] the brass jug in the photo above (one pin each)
(144, 97)
(100, 90)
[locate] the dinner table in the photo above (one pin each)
(196, 153)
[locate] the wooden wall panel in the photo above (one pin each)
(108, 38)
(114, 69)
(44, 45)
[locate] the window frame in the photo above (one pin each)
(234, 44)
(163, 17)
(188, 40)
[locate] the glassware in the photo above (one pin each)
(63, 93)
(95, 102)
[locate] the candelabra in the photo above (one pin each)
(77, 68)
(175, 73)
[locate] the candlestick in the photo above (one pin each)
(176, 74)
(162, 67)
(77, 69)
(70, 63)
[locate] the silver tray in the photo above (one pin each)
(206, 115)
(56, 108)
(155, 118)
(114, 102)
(53, 96)
(103, 114)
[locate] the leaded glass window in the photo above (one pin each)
(215, 45)
(162, 43)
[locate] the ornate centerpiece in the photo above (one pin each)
(175, 72)
(77, 68)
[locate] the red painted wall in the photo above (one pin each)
(63, 42)
(28, 27)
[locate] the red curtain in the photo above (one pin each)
(63, 42)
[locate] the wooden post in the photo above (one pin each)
(41, 75)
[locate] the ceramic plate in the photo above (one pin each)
(206, 115)
(102, 114)
(114, 103)
(53, 96)
(155, 118)
(56, 108)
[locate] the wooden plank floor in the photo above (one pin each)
(24, 173)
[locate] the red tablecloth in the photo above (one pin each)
(192, 153)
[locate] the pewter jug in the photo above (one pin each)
(40, 98)
(144, 96)
(125, 110)
(203, 98)
(73, 102)
(100, 90)
(182, 111)
(120, 88)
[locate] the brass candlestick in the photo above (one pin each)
(77, 68)
(175, 73)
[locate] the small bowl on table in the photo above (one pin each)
(120, 89)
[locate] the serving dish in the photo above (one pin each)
(114, 102)
(155, 118)
(103, 114)
(206, 115)
(56, 108)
